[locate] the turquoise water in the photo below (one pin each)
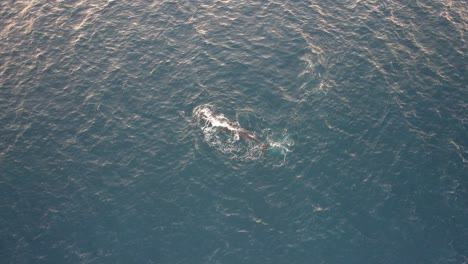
(363, 105)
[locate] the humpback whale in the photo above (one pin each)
(230, 128)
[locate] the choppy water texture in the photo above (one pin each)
(364, 105)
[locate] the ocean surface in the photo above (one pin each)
(220, 131)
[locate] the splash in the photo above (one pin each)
(280, 146)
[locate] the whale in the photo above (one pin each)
(230, 128)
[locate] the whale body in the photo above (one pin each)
(222, 123)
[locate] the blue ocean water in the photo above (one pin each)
(104, 157)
